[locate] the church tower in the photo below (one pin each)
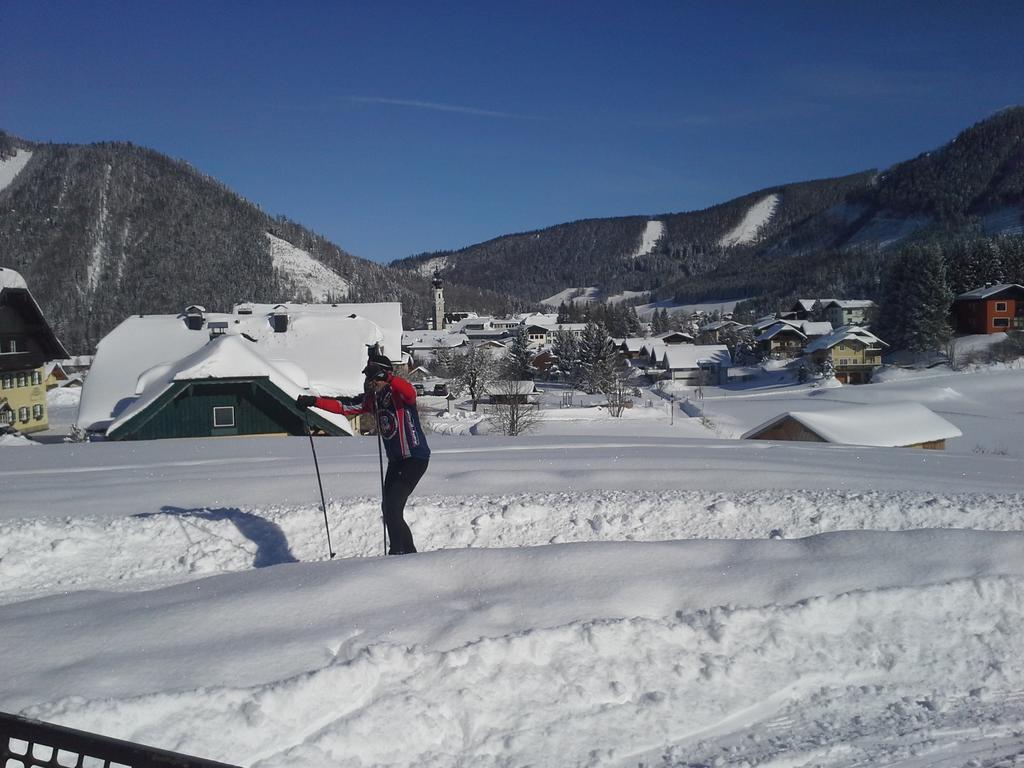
(438, 302)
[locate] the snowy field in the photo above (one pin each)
(602, 592)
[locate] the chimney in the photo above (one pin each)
(279, 318)
(194, 317)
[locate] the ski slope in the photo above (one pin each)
(11, 166)
(750, 225)
(306, 272)
(603, 592)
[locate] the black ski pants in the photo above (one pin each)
(401, 479)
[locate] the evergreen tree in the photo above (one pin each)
(597, 359)
(566, 349)
(518, 366)
(915, 312)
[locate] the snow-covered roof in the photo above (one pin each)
(811, 328)
(848, 303)
(669, 334)
(224, 357)
(386, 314)
(886, 425)
(433, 339)
(988, 291)
(779, 328)
(539, 318)
(11, 279)
(324, 351)
(555, 327)
(845, 333)
(767, 322)
(511, 388)
(689, 356)
(49, 343)
(632, 344)
(717, 325)
(805, 304)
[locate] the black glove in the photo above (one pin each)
(302, 402)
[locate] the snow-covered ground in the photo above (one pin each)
(11, 166)
(644, 311)
(603, 592)
(305, 271)
(750, 225)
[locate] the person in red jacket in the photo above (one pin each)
(392, 401)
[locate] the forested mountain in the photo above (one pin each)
(103, 231)
(826, 237)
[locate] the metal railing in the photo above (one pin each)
(28, 743)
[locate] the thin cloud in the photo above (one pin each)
(439, 107)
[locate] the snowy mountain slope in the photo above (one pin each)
(305, 272)
(753, 222)
(11, 166)
(653, 232)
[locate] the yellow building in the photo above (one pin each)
(26, 344)
(854, 353)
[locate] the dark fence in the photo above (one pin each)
(33, 744)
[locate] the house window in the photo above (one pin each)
(224, 416)
(6, 416)
(1000, 322)
(37, 412)
(8, 382)
(1000, 306)
(22, 380)
(37, 377)
(23, 413)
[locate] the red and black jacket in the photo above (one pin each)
(398, 421)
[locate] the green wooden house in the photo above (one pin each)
(219, 408)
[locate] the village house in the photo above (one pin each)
(694, 364)
(201, 374)
(842, 312)
(801, 309)
(991, 309)
(902, 424)
(715, 331)
(542, 335)
(26, 345)
(781, 339)
(505, 392)
(853, 352)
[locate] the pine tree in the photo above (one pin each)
(518, 365)
(597, 359)
(915, 313)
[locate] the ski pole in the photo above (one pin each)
(319, 482)
(380, 456)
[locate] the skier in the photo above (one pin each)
(392, 401)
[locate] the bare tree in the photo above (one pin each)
(512, 414)
(471, 372)
(620, 391)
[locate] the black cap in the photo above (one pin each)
(377, 364)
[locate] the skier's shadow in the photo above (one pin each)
(271, 544)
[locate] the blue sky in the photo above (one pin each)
(396, 128)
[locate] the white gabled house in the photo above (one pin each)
(695, 363)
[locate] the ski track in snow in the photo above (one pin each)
(145, 551)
